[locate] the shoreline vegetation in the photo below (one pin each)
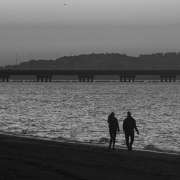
(30, 158)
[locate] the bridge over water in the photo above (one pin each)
(88, 75)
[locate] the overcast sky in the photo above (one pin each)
(35, 29)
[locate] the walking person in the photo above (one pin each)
(113, 128)
(129, 124)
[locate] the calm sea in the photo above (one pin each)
(78, 111)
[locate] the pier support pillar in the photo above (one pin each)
(121, 78)
(86, 78)
(168, 78)
(5, 78)
(174, 78)
(50, 78)
(124, 78)
(43, 78)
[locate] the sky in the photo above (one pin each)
(48, 29)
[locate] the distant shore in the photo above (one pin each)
(28, 158)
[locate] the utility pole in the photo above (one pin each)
(16, 59)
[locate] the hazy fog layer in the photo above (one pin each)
(53, 28)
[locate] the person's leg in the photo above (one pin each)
(111, 138)
(132, 140)
(110, 143)
(127, 139)
(114, 140)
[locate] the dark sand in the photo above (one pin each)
(25, 158)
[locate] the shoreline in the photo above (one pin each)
(103, 145)
(31, 158)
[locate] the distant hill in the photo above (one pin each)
(106, 61)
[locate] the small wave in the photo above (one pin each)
(3, 108)
(103, 140)
(61, 139)
(152, 147)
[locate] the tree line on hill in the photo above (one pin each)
(108, 61)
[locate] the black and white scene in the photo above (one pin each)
(89, 89)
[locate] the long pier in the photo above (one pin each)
(88, 75)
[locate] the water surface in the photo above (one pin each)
(78, 111)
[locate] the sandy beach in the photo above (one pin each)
(28, 158)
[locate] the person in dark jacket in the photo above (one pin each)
(113, 128)
(129, 124)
